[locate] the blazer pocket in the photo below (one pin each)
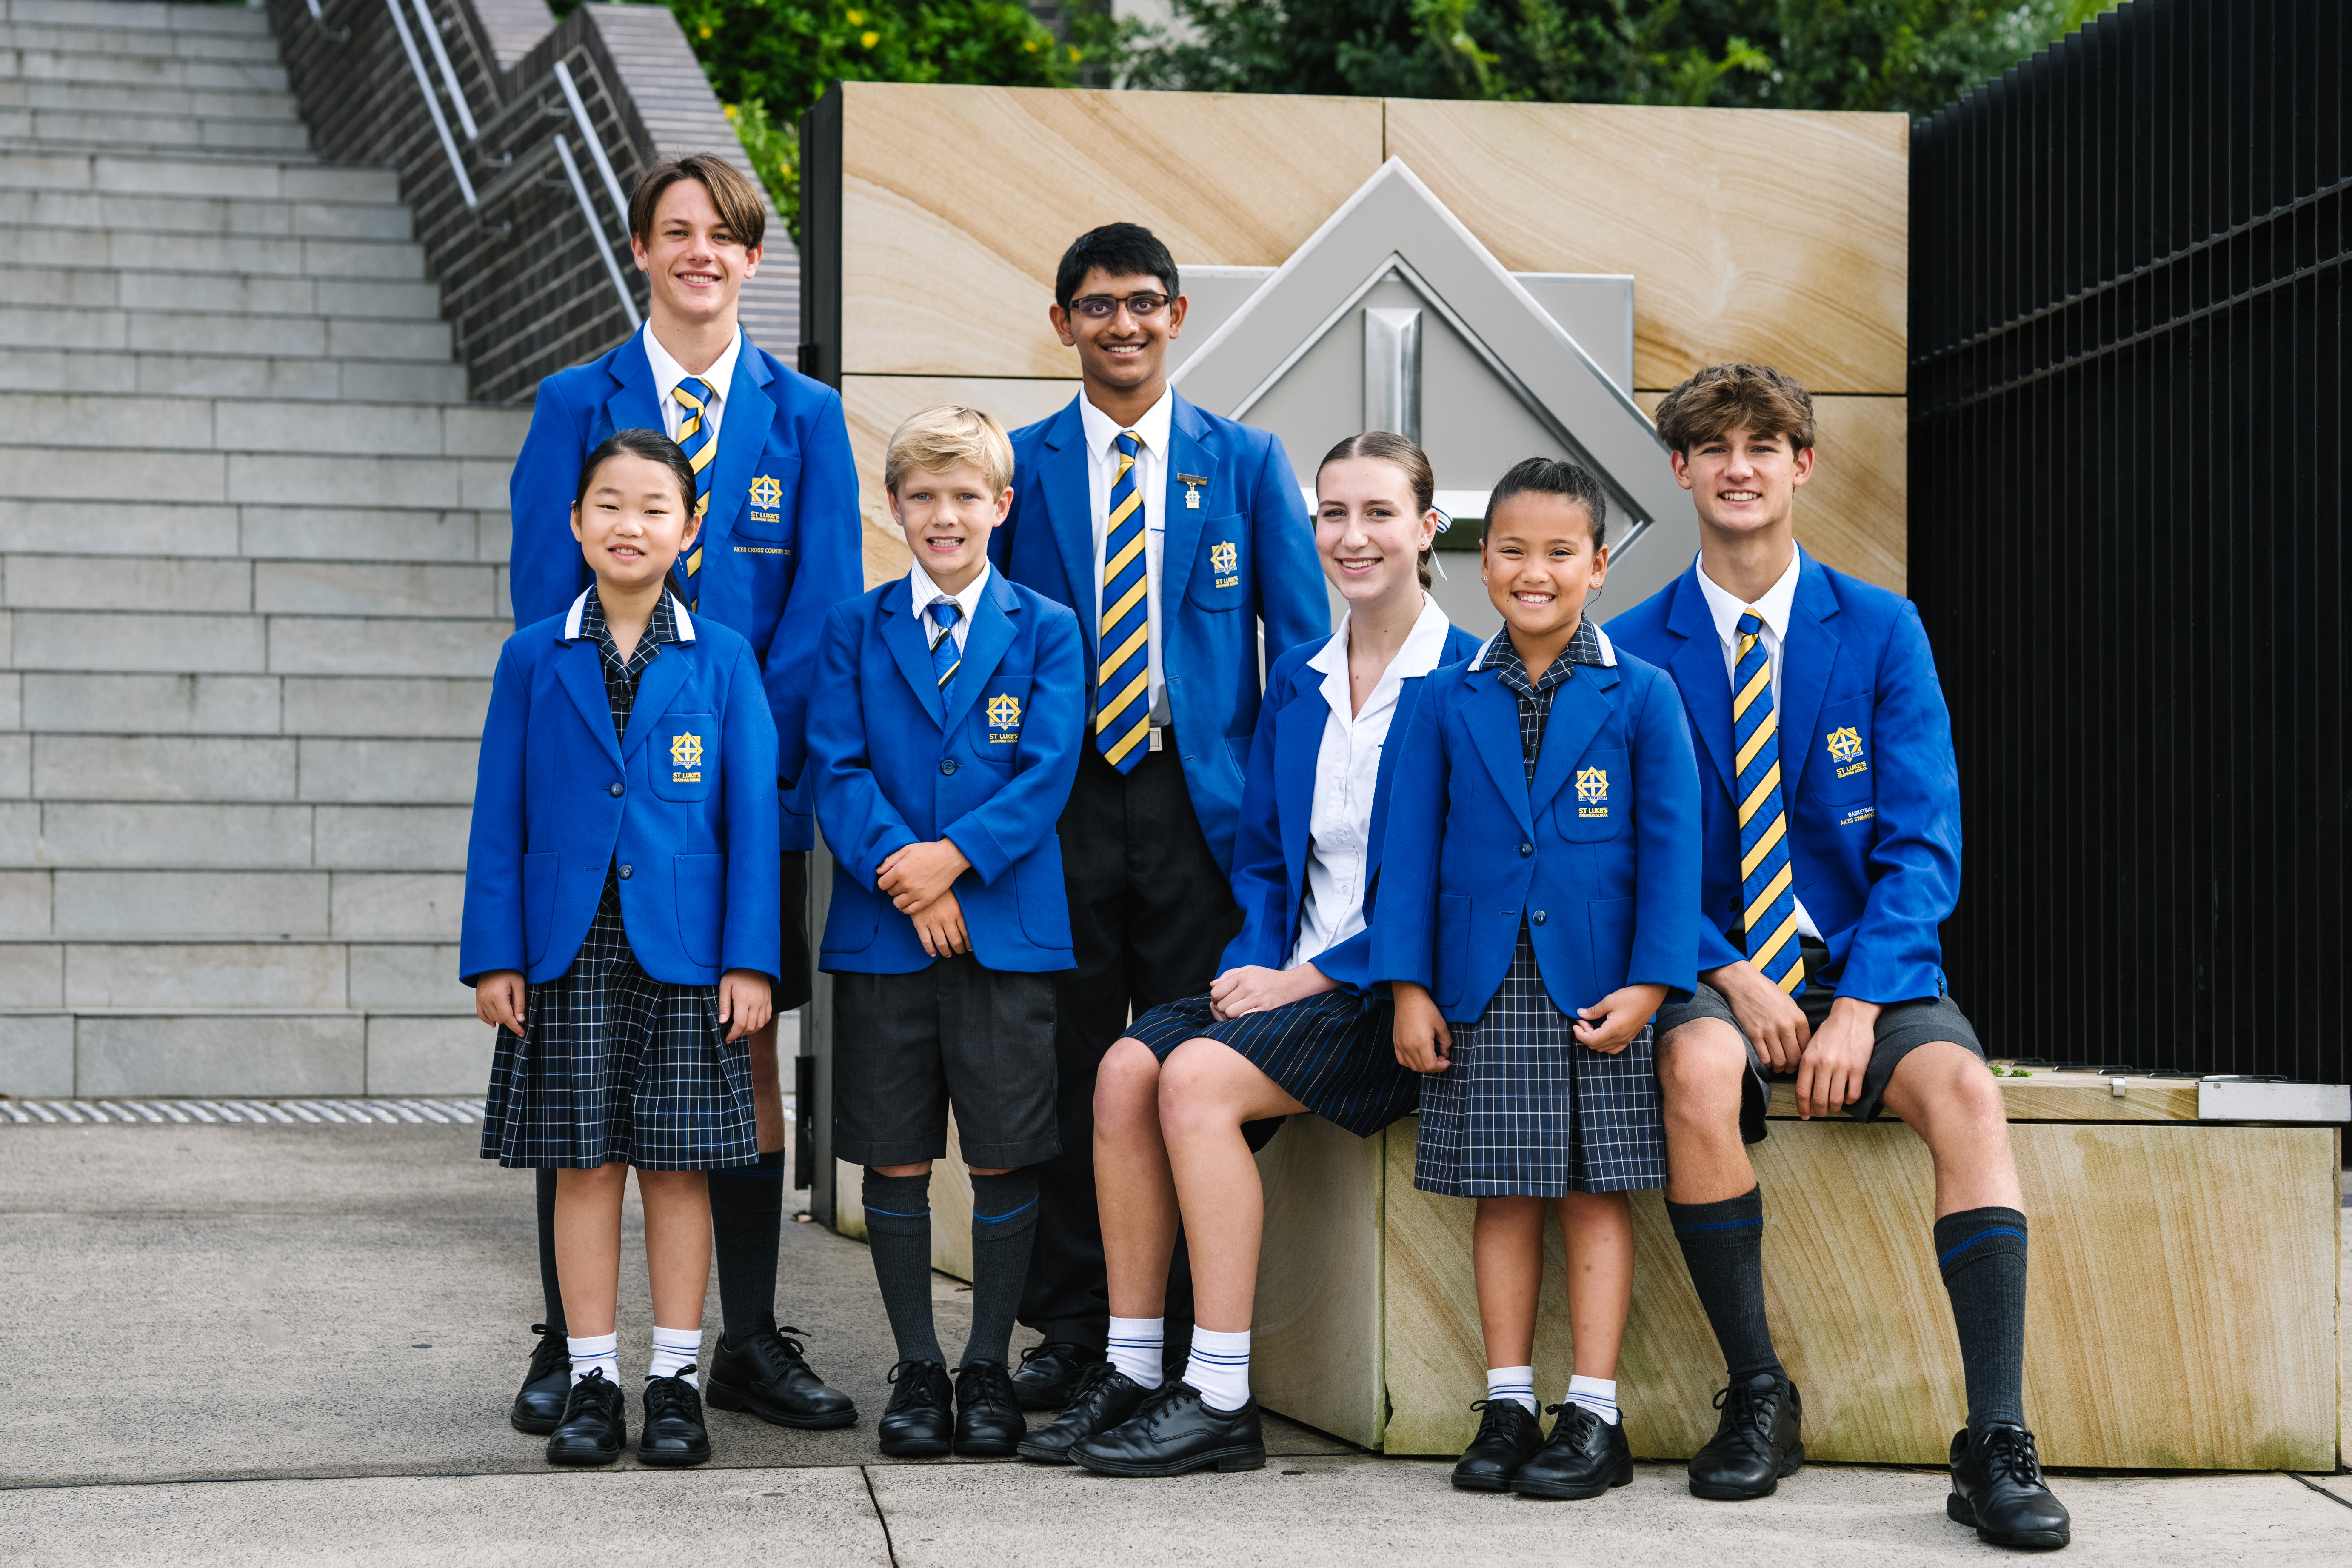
(1612, 925)
(767, 513)
(537, 903)
(1042, 898)
(1455, 914)
(1220, 572)
(1597, 798)
(702, 907)
(1838, 768)
(993, 728)
(682, 754)
(853, 917)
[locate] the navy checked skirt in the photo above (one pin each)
(1526, 1111)
(1334, 1052)
(619, 1068)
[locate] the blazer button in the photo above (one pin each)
(625, 876)
(1537, 917)
(1525, 850)
(947, 765)
(616, 790)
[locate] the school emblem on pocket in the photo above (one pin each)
(1592, 789)
(1845, 749)
(1003, 714)
(686, 755)
(1226, 560)
(765, 491)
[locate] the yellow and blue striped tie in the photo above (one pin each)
(699, 446)
(1764, 877)
(946, 658)
(1123, 679)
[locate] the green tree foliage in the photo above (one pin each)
(1911, 55)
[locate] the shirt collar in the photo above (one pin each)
(923, 590)
(1599, 650)
(1151, 430)
(1772, 608)
(1423, 649)
(668, 373)
(586, 618)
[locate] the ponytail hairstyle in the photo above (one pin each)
(1390, 447)
(650, 445)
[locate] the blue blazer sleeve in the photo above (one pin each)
(1261, 874)
(1291, 603)
(830, 569)
(753, 939)
(861, 827)
(1020, 816)
(491, 934)
(1404, 936)
(1668, 842)
(545, 568)
(1914, 865)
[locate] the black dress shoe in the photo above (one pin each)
(595, 1424)
(1048, 1378)
(1509, 1437)
(674, 1434)
(1104, 1399)
(1584, 1456)
(988, 1424)
(920, 1421)
(546, 1386)
(1173, 1433)
(1759, 1439)
(1997, 1486)
(767, 1377)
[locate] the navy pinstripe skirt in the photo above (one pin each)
(1526, 1111)
(619, 1068)
(1333, 1052)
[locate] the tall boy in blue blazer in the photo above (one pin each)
(780, 546)
(1831, 807)
(1181, 540)
(944, 730)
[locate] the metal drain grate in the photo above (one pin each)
(267, 1113)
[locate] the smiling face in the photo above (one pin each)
(696, 264)
(632, 523)
(947, 517)
(1744, 484)
(1122, 351)
(1369, 531)
(1538, 563)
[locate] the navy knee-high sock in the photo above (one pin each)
(1003, 1224)
(747, 1220)
(1981, 1253)
(898, 1234)
(1723, 1245)
(549, 1286)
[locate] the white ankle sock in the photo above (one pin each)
(1135, 1346)
(674, 1351)
(596, 1352)
(1219, 1368)
(1512, 1383)
(1598, 1395)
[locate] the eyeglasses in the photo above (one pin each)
(1103, 307)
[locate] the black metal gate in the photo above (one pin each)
(2127, 472)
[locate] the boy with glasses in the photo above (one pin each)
(1181, 540)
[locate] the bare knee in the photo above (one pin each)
(1702, 1072)
(1943, 1089)
(1127, 1086)
(919, 1168)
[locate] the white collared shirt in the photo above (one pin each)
(1347, 775)
(668, 373)
(1150, 483)
(922, 592)
(1774, 608)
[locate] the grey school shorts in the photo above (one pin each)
(906, 1046)
(1903, 1028)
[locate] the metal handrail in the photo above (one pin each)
(319, 20)
(449, 72)
(432, 103)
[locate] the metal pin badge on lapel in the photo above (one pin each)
(1191, 483)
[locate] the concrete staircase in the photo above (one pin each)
(251, 584)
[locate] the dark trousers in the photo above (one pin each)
(797, 980)
(1150, 914)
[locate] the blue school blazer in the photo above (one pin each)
(1246, 555)
(990, 770)
(1278, 809)
(686, 803)
(1867, 772)
(781, 545)
(1598, 856)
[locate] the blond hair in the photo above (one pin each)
(948, 436)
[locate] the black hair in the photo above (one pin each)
(1121, 249)
(1554, 476)
(650, 445)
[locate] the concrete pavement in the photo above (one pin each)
(271, 1344)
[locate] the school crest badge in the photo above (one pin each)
(1004, 719)
(765, 491)
(1845, 750)
(1592, 785)
(685, 759)
(1224, 556)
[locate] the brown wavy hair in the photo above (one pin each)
(1391, 447)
